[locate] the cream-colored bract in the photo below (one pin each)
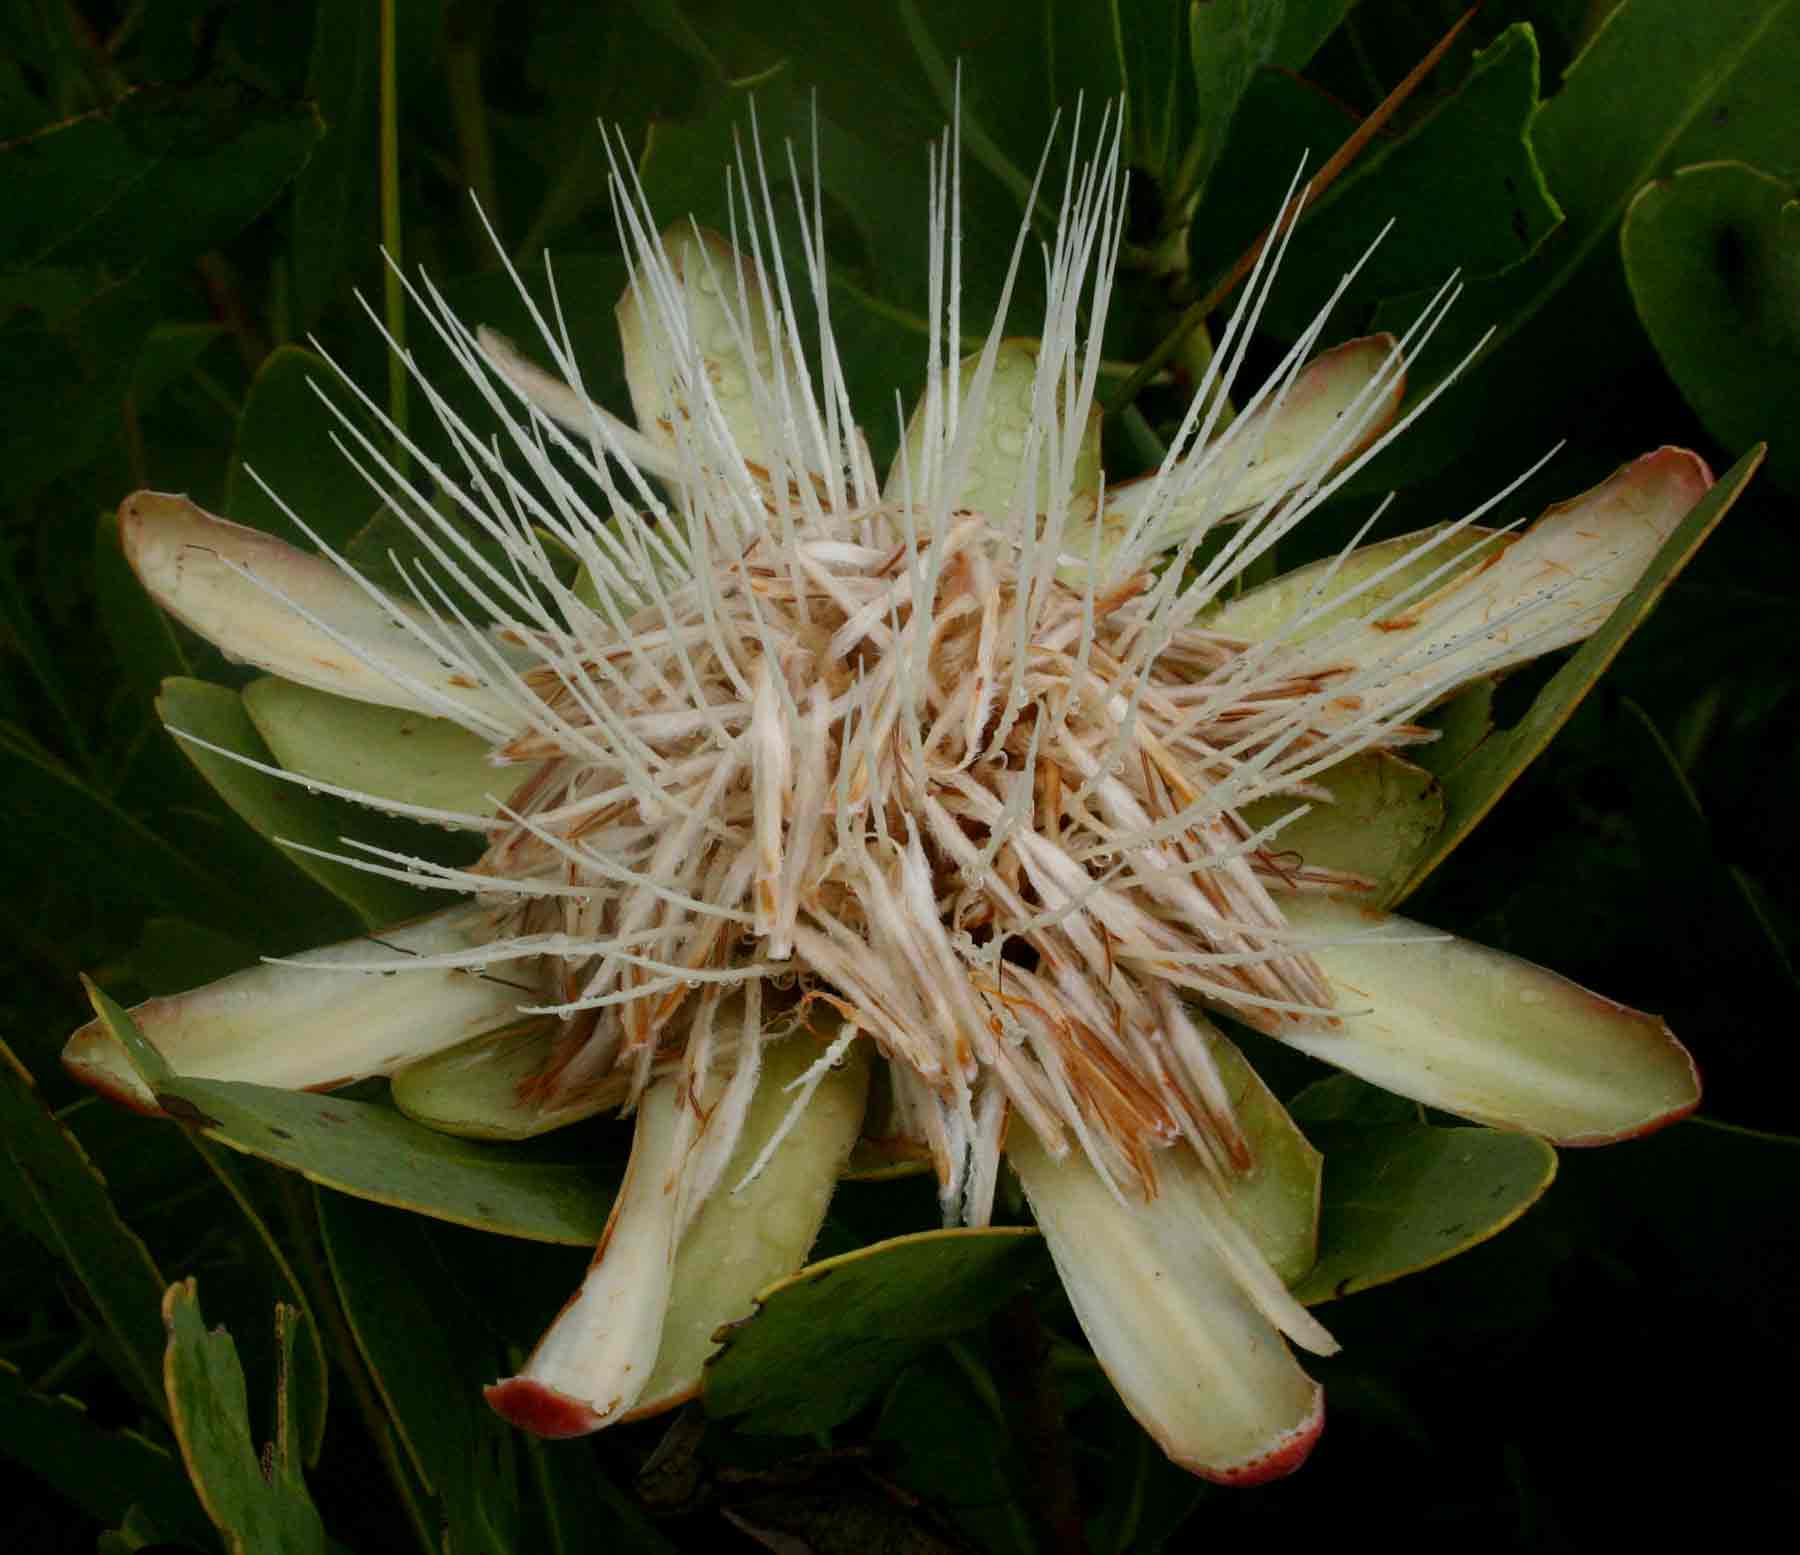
(952, 767)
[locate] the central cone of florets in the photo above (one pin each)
(988, 815)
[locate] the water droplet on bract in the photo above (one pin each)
(1530, 996)
(690, 983)
(312, 788)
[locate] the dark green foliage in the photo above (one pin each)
(190, 198)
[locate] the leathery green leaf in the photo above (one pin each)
(104, 1472)
(1227, 44)
(386, 752)
(256, 1515)
(1661, 84)
(1713, 258)
(101, 187)
(284, 437)
(428, 1353)
(52, 1189)
(823, 1343)
(1401, 1198)
(1384, 813)
(372, 1152)
(309, 1374)
(277, 809)
(1473, 788)
(1465, 184)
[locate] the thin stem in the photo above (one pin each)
(395, 295)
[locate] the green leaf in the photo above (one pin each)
(1400, 1199)
(1713, 258)
(138, 1531)
(385, 751)
(372, 1152)
(310, 1375)
(963, 1471)
(684, 160)
(1473, 787)
(103, 1472)
(284, 436)
(1305, 24)
(428, 1354)
(257, 1515)
(1722, 892)
(1228, 41)
(279, 810)
(164, 172)
(1673, 1180)
(122, 857)
(152, 1068)
(336, 226)
(173, 955)
(1463, 187)
(52, 1189)
(823, 1343)
(1280, 120)
(65, 368)
(1662, 84)
(577, 1499)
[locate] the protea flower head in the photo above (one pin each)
(965, 772)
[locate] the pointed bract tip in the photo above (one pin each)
(1680, 461)
(540, 1409)
(95, 1058)
(1279, 1461)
